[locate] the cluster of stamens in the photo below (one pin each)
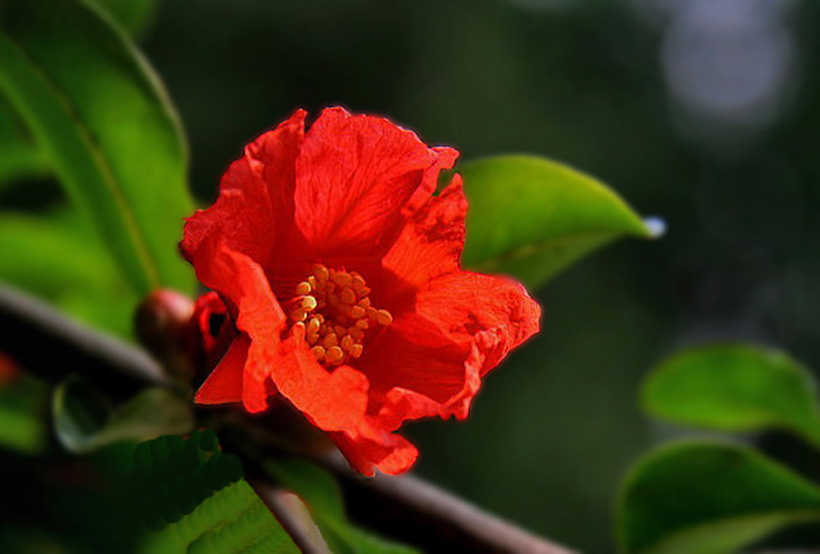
(334, 308)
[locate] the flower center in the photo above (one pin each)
(334, 308)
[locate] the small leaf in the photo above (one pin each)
(80, 413)
(85, 421)
(531, 217)
(735, 387)
(106, 128)
(195, 500)
(709, 498)
(322, 494)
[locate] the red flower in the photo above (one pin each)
(340, 272)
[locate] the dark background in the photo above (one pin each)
(703, 112)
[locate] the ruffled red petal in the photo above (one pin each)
(224, 384)
(388, 452)
(242, 283)
(254, 211)
(354, 177)
(430, 362)
(431, 242)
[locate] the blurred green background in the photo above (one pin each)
(703, 112)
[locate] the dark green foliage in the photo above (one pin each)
(714, 498)
(709, 498)
(173, 476)
(735, 387)
(194, 500)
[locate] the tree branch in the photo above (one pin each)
(52, 346)
(406, 508)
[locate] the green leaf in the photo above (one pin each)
(23, 414)
(59, 258)
(319, 490)
(106, 127)
(19, 155)
(195, 500)
(132, 15)
(709, 498)
(84, 420)
(735, 387)
(531, 217)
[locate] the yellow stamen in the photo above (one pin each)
(334, 355)
(335, 314)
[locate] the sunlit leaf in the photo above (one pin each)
(105, 126)
(60, 259)
(195, 500)
(19, 155)
(85, 421)
(709, 498)
(735, 387)
(323, 497)
(531, 217)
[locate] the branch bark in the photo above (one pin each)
(53, 346)
(406, 508)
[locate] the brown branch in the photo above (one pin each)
(52, 346)
(419, 513)
(406, 508)
(292, 514)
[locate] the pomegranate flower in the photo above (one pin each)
(337, 269)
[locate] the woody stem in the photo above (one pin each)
(51, 346)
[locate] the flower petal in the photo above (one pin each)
(254, 211)
(224, 384)
(389, 453)
(431, 242)
(332, 400)
(430, 362)
(465, 303)
(242, 284)
(355, 176)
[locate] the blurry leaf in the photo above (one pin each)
(709, 498)
(132, 15)
(19, 155)
(58, 258)
(323, 497)
(106, 127)
(23, 414)
(84, 420)
(530, 217)
(195, 500)
(735, 387)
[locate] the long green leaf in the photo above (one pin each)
(57, 257)
(19, 155)
(735, 387)
(709, 498)
(106, 127)
(531, 217)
